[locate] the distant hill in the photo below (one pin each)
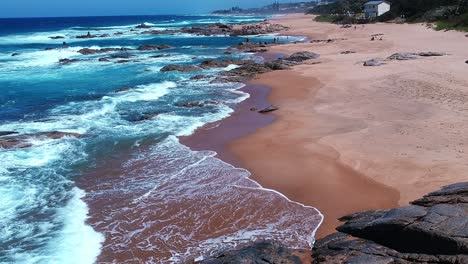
(445, 13)
(274, 8)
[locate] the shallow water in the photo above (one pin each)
(126, 190)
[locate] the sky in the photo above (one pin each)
(57, 8)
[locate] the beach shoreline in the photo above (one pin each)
(315, 150)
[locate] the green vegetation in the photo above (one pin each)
(446, 14)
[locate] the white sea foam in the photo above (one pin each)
(76, 242)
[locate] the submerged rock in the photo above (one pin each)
(143, 25)
(121, 56)
(181, 68)
(15, 54)
(122, 90)
(6, 133)
(199, 77)
(57, 37)
(68, 61)
(145, 117)
(208, 64)
(196, 104)
(153, 47)
(433, 229)
(88, 51)
(22, 141)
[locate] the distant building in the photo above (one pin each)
(374, 9)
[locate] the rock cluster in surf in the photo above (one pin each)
(12, 139)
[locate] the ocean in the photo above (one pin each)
(126, 190)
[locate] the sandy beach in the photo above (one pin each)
(349, 138)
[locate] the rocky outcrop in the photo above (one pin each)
(121, 56)
(15, 54)
(374, 62)
(199, 77)
(122, 90)
(246, 30)
(252, 47)
(261, 253)
(143, 25)
(433, 229)
(22, 141)
(6, 133)
(180, 68)
(432, 54)
(153, 47)
(196, 104)
(144, 117)
(301, 56)
(249, 69)
(403, 56)
(88, 51)
(209, 64)
(242, 73)
(159, 32)
(258, 29)
(210, 30)
(89, 36)
(68, 61)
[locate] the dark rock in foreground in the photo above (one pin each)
(261, 253)
(433, 229)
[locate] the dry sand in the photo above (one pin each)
(350, 138)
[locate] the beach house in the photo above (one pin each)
(374, 9)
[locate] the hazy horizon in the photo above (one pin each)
(62, 8)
